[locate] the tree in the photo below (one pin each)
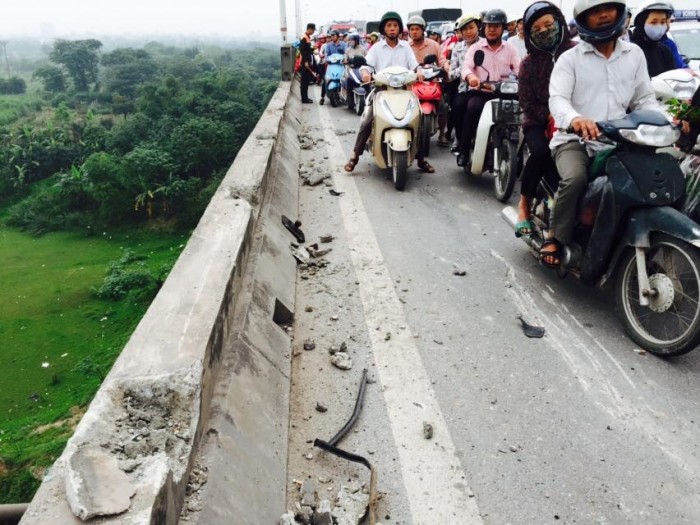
(80, 58)
(53, 78)
(126, 70)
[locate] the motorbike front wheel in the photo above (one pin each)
(333, 96)
(504, 181)
(670, 325)
(425, 135)
(399, 170)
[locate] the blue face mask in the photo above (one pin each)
(655, 32)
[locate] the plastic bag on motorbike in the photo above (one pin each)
(590, 202)
(690, 166)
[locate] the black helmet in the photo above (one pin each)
(335, 32)
(390, 15)
(495, 16)
(606, 34)
(538, 10)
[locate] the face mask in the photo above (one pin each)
(548, 39)
(655, 32)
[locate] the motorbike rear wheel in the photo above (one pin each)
(504, 181)
(670, 325)
(399, 170)
(425, 135)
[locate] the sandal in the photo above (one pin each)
(551, 258)
(425, 166)
(523, 228)
(351, 164)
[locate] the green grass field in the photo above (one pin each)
(57, 338)
(15, 107)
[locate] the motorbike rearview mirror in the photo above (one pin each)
(478, 58)
(431, 59)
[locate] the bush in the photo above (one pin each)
(137, 284)
(18, 487)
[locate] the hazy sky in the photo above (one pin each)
(236, 18)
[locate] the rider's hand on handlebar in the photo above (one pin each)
(585, 128)
(473, 81)
(420, 75)
(366, 77)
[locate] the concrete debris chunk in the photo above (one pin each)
(326, 238)
(351, 506)
(316, 179)
(427, 430)
(341, 360)
(288, 519)
(95, 486)
(301, 255)
(323, 515)
(305, 515)
(309, 344)
(308, 493)
(320, 407)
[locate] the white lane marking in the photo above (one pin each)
(433, 476)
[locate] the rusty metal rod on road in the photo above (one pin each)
(355, 413)
(331, 447)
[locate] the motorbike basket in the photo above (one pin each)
(507, 111)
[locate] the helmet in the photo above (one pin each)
(495, 16)
(645, 9)
(466, 19)
(335, 32)
(355, 37)
(416, 20)
(390, 15)
(606, 34)
(537, 10)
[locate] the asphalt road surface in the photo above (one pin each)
(577, 427)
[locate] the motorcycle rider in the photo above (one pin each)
(518, 41)
(546, 37)
(422, 47)
(650, 26)
(354, 49)
(468, 27)
(332, 47)
(391, 51)
(500, 61)
(600, 79)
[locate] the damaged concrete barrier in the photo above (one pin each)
(130, 458)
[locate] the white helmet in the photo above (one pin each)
(416, 20)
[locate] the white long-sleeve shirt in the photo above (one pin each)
(584, 83)
(382, 56)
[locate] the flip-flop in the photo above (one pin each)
(555, 254)
(524, 224)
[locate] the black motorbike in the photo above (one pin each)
(630, 227)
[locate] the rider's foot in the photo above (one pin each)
(321, 102)
(550, 253)
(461, 160)
(352, 163)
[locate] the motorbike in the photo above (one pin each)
(497, 137)
(429, 93)
(356, 97)
(334, 73)
(680, 84)
(395, 129)
(630, 230)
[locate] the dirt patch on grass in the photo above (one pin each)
(76, 414)
(3, 468)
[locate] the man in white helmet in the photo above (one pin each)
(600, 79)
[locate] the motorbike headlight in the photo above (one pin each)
(397, 81)
(509, 88)
(682, 89)
(648, 135)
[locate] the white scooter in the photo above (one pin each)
(497, 135)
(395, 129)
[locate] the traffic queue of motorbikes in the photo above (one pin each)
(637, 224)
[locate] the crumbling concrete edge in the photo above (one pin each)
(151, 409)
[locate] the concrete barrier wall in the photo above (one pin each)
(131, 455)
